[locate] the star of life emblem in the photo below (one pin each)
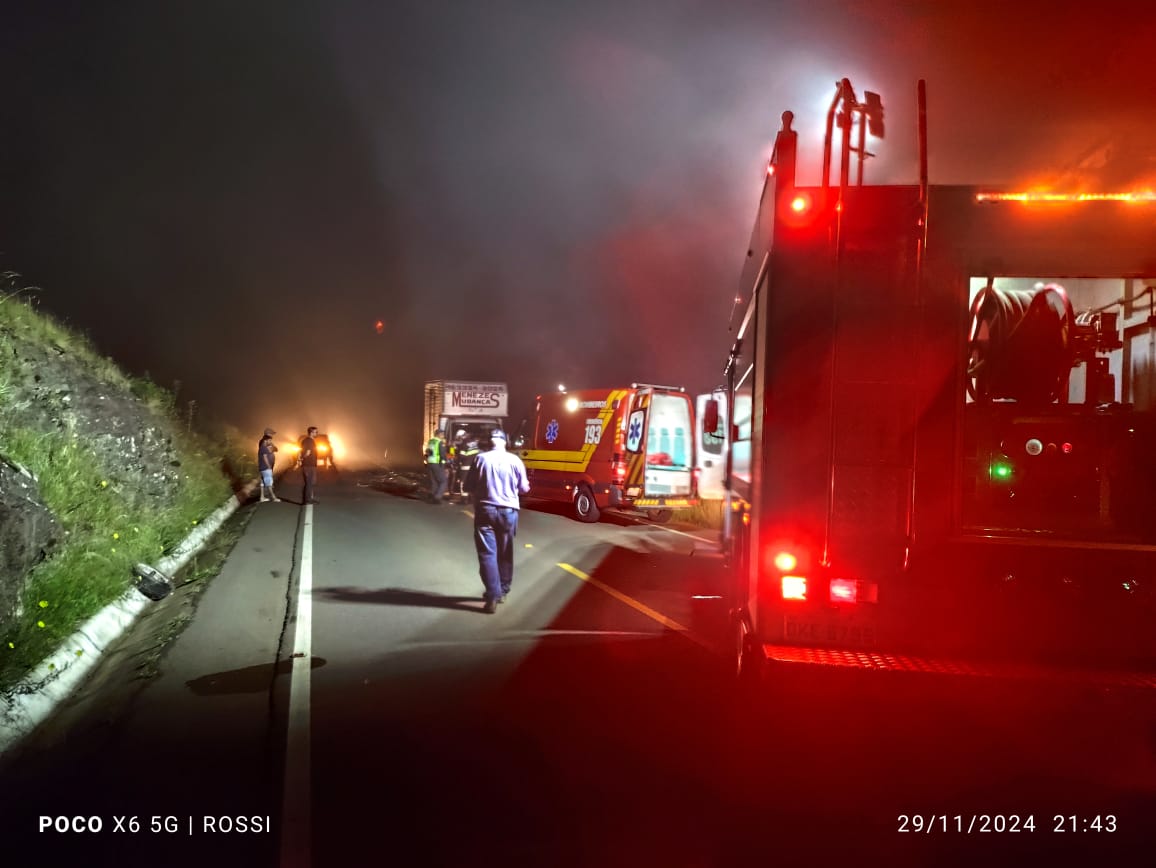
(634, 431)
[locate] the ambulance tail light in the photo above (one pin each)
(618, 468)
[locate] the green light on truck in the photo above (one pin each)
(1000, 471)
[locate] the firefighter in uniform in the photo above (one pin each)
(436, 459)
(464, 452)
(455, 457)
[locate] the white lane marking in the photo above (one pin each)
(637, 606)
(296, 791)
(684, 533)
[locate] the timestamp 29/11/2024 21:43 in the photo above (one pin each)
(981, 824)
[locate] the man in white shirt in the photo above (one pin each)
(494, 484)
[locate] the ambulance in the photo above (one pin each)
(711, 447)
(620, 448)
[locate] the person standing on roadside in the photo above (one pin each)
(308, 458)
(496, 480)
(266, 457)
(436, 459)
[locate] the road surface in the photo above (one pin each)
(587, 723)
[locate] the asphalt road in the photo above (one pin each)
(587, 723)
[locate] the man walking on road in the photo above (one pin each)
(494, 483)
(309, 464)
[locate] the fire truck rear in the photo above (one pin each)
(941, 404)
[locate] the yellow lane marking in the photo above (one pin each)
(637, 606)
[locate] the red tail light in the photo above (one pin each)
(844, 591)
(854, 591)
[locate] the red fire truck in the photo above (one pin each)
(627, 448)
(950, 438)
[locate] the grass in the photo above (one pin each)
(18, 311)
(706, 513)
(104, 536)
(105, 528)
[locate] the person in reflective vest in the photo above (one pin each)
(436, 458)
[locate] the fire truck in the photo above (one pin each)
(941, 417)
(625, 448)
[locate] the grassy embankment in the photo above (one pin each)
(706, 513)
(104, 532)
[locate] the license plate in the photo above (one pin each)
(829, 630)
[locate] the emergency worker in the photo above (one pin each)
(456, 478)
(465, 453)
(436, 459)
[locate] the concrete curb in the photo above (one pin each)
(53, 681)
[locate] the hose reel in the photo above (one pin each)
(1021, 345)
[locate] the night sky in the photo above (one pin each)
(231, 194)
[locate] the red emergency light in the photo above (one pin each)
(785, 562)
(1139, 196)
(801, 203)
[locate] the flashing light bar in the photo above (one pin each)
(1146, 196)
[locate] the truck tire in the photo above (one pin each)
(661, 516)
(585, 508)
(750, 664)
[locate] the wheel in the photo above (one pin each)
(661, 516)
(750, 664)
(585, 509)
